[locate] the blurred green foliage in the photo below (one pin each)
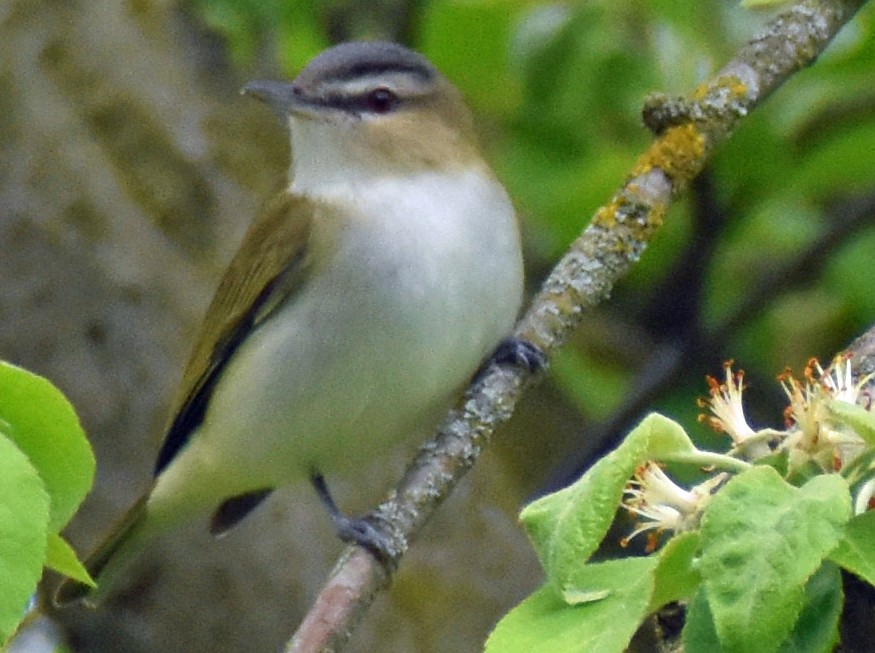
(765, 263)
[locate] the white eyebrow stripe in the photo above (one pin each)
(404, 84)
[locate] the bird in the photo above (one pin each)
(363, 298)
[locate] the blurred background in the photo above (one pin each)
(130, 167)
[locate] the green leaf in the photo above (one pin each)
(62, 558)
(544, 623)
(857, 417)
(699, 634)
(817, 629)
(860, 470)
(856, 551)
(761, 540)
(24, 517)
(667, 440)
(567, 526)
(676, 577)
(40, 420)
(778, 460)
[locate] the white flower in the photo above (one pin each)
(728, 414)
(662, 504)
(840, 381)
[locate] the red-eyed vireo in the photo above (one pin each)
(359, 303)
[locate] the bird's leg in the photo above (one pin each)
(359, 530)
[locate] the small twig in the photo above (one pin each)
(688, 132)
(862, 352)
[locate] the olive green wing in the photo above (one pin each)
(267, 269)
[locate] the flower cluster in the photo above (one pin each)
(815, 433)
(828, 427)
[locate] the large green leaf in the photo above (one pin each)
(42, 423)
(762, 539)
(856, 551)
(699, 635)
(857, 417)
(676, 576)
(24, 517)
(567, 526)
(817, 629)
(61, 557)
(545, 623)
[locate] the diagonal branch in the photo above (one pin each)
(688, 131)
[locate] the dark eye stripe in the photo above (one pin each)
(379, 100)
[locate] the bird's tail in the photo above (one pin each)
(109, 560)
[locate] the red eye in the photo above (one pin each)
(381, 100)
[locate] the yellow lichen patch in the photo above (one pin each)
(656, 215)
(606, 216)
(566, 304)
(678, 152)
(728, 88)
(735, 86)
(700, 92)
(650, 204)
(637, 216)
(624, 246)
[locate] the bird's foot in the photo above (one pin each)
(363, 531)
(515, 351)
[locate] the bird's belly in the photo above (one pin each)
(325, 384)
